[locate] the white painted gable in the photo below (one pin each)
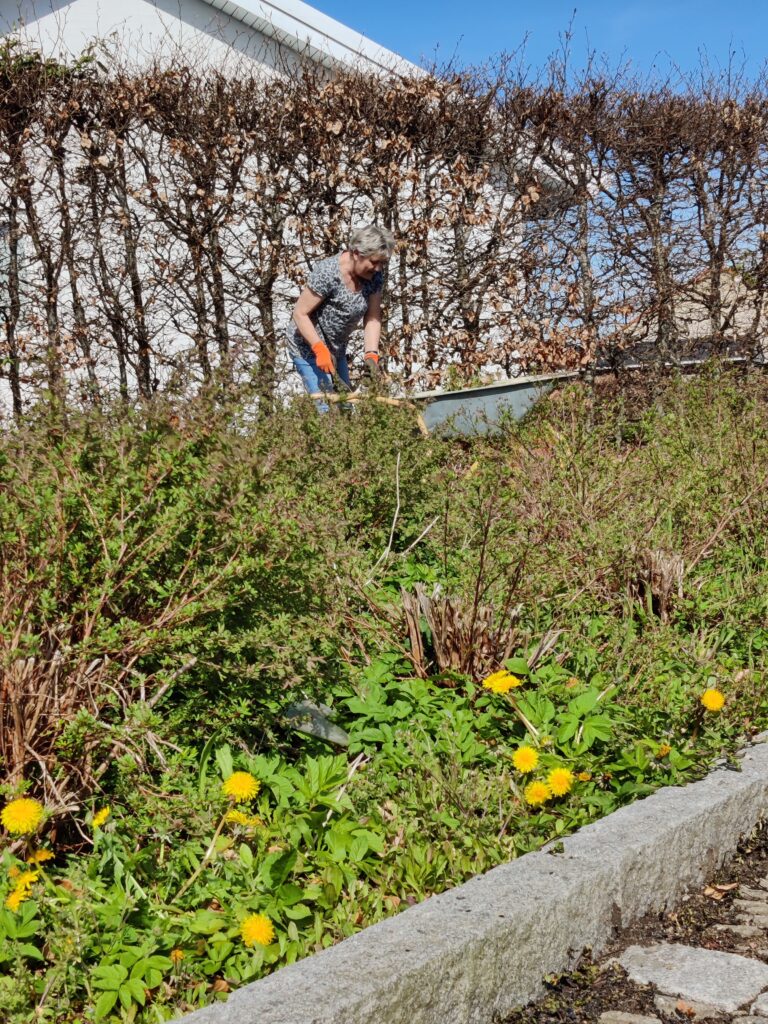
(270, 33)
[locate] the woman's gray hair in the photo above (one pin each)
(372, 240)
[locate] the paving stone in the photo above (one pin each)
(725, 980)
(751, 906)
(747, 893)
(744, 931)
(748, 1019)
(619, 1017)
(758, 920)
(760, 1005)
(694, 1011)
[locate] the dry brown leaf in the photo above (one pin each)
(712, 893)
(682, 1007)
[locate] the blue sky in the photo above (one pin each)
(650, 34)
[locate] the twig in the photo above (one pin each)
(170, 680)
(548, 641)
(350, 397)
(385, 553)
(421, 537)
(63, 804)
(206, 857)
(350, 772)
(46, 990)
(525, 722)
(724, 522)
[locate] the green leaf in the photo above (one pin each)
(298, 912)
(203, 765)
(289, 894)
(136, 988)
(517, 666)
(221, 950)
(158, 962)
(584, 703)
(225, 761)
(359, 848)
(125, 995)
(110, 976)
(246, 855)
(104, 1004)
(26, 949)
(336, 842)
(277, 866)
(152, 978)
(567, 729)
(206, 922)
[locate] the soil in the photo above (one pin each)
(599, 985)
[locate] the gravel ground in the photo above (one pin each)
(702, 919)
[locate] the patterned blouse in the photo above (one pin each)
(340, 311)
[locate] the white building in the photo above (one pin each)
(247, 35)
(271, 33)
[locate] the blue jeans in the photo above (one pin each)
(314, 379)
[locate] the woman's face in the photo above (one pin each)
(367, 266)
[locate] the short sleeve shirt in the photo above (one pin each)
(340, 311)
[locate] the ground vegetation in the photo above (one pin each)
(515, 634)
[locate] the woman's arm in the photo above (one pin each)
(372, 326)
(307, 303)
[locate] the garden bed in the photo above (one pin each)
(174, 584)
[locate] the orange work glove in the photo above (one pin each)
(371, 365)
(323, 357)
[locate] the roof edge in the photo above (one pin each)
(309, 32)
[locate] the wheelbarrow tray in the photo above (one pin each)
(480, 410)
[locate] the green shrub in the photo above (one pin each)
(177, 581)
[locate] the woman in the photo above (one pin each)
(339, 292)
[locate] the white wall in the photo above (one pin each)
(144, 29)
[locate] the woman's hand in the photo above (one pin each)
(323, 357)
(371, 365)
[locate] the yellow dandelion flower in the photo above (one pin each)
(536, 793)
(14, 899)
(525, 759)
(241, 786)
(584, 776)
(100, 817)
(14, 871)
(40, 856)
(27, 879)
(257, 930)
(663, 750)
(22, 815)
(501, 681)
(238, 817)
(177, 955)
(712, 700)
(560, 781)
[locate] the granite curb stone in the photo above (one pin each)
(479, 951)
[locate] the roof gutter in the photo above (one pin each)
(310, 33)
